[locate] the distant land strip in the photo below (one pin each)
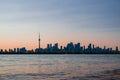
(64, 53)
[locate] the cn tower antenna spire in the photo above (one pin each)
(39, 41)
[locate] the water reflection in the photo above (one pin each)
(53, 67)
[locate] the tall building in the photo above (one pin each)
(23, 50)
(55, 47)
(77, 47)
(93, 46)
(39, 41)
(90, 47)
(116, 49)
(15, 50)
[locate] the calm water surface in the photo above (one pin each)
(54, 67)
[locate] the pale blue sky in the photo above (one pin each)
(85, 21)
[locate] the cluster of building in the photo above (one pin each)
(69, 48)
(77, 48)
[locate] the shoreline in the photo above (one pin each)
(54, 53)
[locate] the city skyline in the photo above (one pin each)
(60, 21)
(69, 48)
(60, 45)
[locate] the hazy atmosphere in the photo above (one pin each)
(62, 21)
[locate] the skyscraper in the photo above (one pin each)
(39, 41)
(117, 49)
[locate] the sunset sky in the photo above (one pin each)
(62, 21)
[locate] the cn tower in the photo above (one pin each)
(39, 41)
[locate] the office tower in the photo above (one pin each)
(84, 48)
(48, 46)
(90, 47)
(55, 47)
(116, 48)
(23, 50)
(104, 47)
(70, 47)
(93, 46)
(77, 47)
(18, 50)
(15, 50)
(61, 47)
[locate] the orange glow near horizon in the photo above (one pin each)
(59, 21)
(30, 40)
(33, 44)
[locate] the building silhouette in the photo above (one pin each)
(116, 49)
(37, 50)
(23, 50)
(69, 48)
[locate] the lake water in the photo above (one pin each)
(55, 67)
